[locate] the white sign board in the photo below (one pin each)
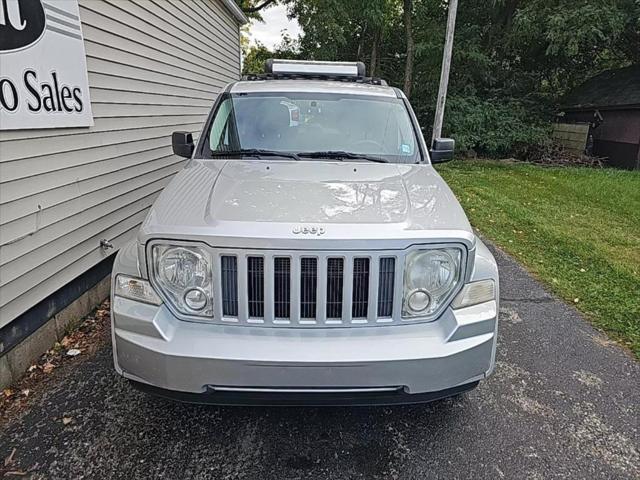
(43, 69)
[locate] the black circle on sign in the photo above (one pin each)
(22, 24)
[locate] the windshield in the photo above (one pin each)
(303, 123)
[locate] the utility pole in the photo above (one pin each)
(444, 74)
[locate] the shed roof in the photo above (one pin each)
(611, 89)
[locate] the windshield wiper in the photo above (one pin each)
(253, 152)
(341, 155)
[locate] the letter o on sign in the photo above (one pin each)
(8, 95)
(22, 23)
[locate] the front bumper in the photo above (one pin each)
(290, 399)
(228, 363)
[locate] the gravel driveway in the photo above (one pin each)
(564, 403)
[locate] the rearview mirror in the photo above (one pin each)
(442, 150)
(182, 143)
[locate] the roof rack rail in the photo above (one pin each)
(277, 69)
(269, 76)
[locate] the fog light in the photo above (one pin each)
(419, 300)
(195, 299)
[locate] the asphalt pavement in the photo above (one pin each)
(563, 403)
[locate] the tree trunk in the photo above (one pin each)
(501, 23)
(374, 52)
(363, 33)
(408, 67)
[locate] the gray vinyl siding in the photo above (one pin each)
(154, 67)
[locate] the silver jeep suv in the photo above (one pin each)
(308, 253)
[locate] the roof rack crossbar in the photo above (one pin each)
(294, 76)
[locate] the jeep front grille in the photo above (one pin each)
(302, 289)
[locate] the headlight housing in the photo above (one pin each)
(184, 275)
(431, 277)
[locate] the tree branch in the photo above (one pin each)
(257, 8)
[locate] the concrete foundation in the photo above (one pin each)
(15, 362)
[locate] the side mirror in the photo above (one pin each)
(182, 143)
(442, 150)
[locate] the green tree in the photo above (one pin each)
(255, 56)
(513, 59)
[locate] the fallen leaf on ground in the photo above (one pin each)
(66, 420)
(48, 367)
(7, 392)
(65, 342)
(9, 460)
(32, 368)
(26, 392)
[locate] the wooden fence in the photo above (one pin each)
(572, 136)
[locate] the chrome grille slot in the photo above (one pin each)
(385, 286)
(360, 301)
(335, 272)
(255, 286)
(282, 287)
(308, 287)
(229, 284)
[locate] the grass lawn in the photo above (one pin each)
(577, 230)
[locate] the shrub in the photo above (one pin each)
(494, 127)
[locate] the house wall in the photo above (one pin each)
(154, 66)
(617, 137)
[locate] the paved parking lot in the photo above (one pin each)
(563, 403)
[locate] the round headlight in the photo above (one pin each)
(195, 299)
(435, 271)
(180, 268)
(419, 300)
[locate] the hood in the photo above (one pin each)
(216, 197)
